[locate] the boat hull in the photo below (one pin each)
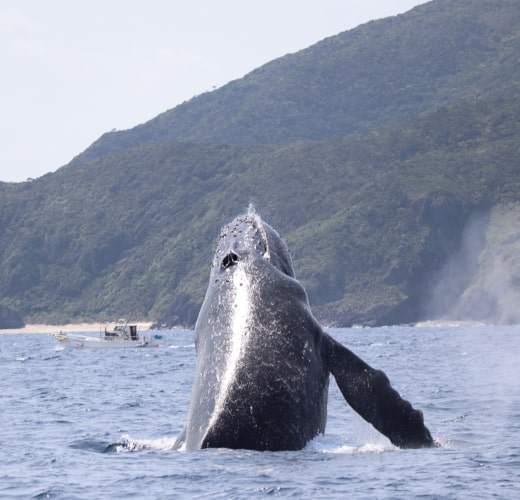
(87, 342)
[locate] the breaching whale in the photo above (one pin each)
(263, 361)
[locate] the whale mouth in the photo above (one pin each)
(229, 260)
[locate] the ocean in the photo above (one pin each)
(82, 424)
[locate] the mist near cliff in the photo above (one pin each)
(481, 281)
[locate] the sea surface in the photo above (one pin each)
(101, 424)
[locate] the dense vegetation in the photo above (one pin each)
(377, 74)
(369, 152)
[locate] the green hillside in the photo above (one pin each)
(370, 152)
(377, 74)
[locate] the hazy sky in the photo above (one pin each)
(72, 70)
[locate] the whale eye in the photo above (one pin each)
(229, 260)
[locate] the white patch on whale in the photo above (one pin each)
(238, 341)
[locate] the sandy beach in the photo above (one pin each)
(72, 327)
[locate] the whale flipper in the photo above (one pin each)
(369, 393)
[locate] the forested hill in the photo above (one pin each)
(372, 152)
(377, 74)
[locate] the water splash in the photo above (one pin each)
(336, 445)
(251, 211)
(129, 444)
(259, 223)
(366, 448)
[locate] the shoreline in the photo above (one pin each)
(67, 328)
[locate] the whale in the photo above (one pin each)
(263, 362)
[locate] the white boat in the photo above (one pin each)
(120, 335)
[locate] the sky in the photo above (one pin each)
(73, 70)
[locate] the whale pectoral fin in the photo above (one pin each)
(370, 394)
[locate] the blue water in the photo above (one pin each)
(101, 424)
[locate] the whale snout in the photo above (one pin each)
(230, 259)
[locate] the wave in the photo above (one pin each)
(448, 323)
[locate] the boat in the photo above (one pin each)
(120, 335)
